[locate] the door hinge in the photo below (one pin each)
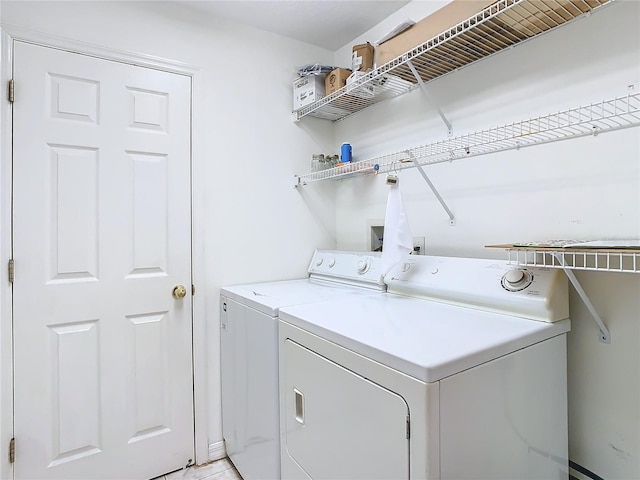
(11, 91)
(12, 270)
(408, 427)
(193, 289)
(12, 450)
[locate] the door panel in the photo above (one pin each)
(73, 175)
(103, 373)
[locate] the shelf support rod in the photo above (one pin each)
(605, 336)
(452, 219)
(429, 97)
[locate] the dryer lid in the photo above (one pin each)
(424, 339)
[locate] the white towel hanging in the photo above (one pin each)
(397, 241)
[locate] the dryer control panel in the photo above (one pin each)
(494, 285)
(353, 268)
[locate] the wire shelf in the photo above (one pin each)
(593, 119)
(627, 261)
(502, 25)
(343, 171)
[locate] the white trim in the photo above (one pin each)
(70, 45)
(10, 33)
(198, 217)
(6, 300)
(217, 451)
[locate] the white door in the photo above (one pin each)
(103, 366)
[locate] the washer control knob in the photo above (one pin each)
(318, 262)
(332, 262)
(406, 267)
(516, 280)
(363, 265)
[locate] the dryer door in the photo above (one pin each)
(340, 425)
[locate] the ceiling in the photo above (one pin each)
(329, 24)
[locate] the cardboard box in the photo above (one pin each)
(362, 57)
(336, 79)
(522, 19)
(306, 90)
(362, 91)
(439, 21)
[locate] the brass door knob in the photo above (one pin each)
(179, 291)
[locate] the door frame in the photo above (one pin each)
(199, 351)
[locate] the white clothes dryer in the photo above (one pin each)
(249, 351)
(457, 372)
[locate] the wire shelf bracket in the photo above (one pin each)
(430, 99)
(452, 219)
(605, 336)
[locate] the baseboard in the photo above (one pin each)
(217, 451)
(578, 472)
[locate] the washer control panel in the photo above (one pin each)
(357, 267)
(363, 265)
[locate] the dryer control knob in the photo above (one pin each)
(363, 265)
(318, 262)
(332, 262)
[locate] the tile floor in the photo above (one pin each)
(218, 470)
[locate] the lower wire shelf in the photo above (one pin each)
(601, 260)
(569, 259)
(593, 119)
(342, 171)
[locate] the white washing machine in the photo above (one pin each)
(249, 351)
(457, 372)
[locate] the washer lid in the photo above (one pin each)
(424, 339)
(269, 297)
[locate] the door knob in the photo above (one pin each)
(179, 291)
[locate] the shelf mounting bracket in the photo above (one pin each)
(429, 97)
(452, 219)
(605, 336)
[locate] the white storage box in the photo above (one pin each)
(307, 89)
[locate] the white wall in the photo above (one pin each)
(586, 188)
(258, 227)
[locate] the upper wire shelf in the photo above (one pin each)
(502, 25)
(593, 119)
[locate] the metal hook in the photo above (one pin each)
(392, 177)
